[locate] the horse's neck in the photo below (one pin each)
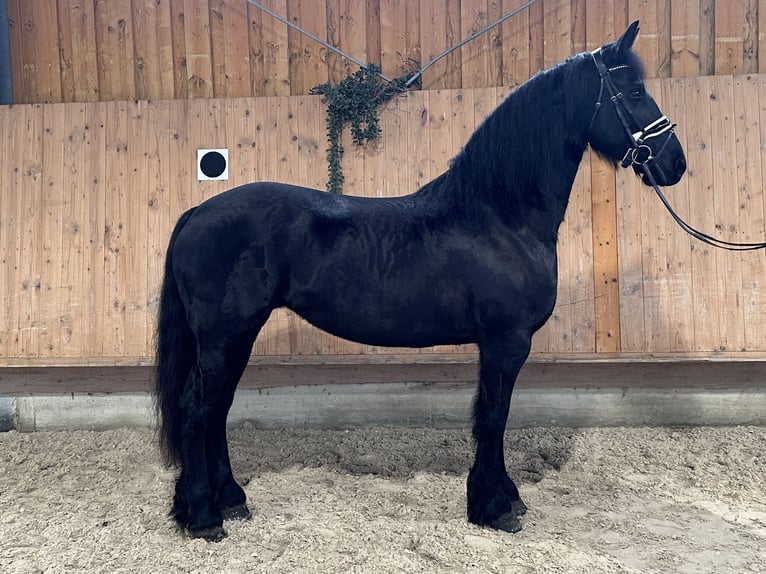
(530, 178)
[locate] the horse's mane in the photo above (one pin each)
(519, 158)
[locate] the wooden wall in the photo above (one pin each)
(90, 191)
(106, 50)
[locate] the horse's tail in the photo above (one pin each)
(176, 354)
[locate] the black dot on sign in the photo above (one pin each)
(212, 164)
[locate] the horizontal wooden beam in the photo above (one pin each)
(682, 373)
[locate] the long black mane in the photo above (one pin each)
(523, 158)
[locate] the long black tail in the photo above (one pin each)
(176, 354)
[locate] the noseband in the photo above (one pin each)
(638, 153)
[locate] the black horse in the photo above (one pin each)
(468, 258)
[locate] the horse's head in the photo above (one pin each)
(627, 125)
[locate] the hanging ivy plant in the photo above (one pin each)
(354, 100)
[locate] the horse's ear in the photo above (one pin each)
(625, 42)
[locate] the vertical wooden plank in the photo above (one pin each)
(600, 24)
(197, 47)
(158, 138)
(606, 276)
(653, 44)
(680, 304)
(463, 121)
(229, 39)
(218, 49)
(72, 294)
(579, 26)
(242, 129)
(414, 50)
(352, 164)
(11, 120)
(418, 171)
(749, 117)
(476, 55)
(38, 43)
(181, 158)
(346, 30)
(699, 156)
(580, 227)
(536, 40)
(729, 36)
(334, 61)
(311, 141)
(375, 169)
(49, 225)
(308, 66)
(557, 31)
(515, 42)
(7, 259)
(47, 48)
(393, 37)
(140, 151)
(178, 41)
(761, 48)
(116, 235)
(656, 254)
(77, 36)
(750, 40)
(256, 45)
(707, 37)
(629, 192)
(314, 19)
(353, 34)
(440, 29)
(95, 226)
(154, 49)
(731, 311)
(30, 250)
(685, 38)
(621, 17)
(16, 51)
(115, 61)
(273, 79)
(395, 149)
(439, 132)
(373, 44)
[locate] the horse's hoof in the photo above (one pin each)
(239, 512)
(507, 523)
(215, 534)
(518, 508)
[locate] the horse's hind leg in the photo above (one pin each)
(493, 499)
(205, 470)
(229, 496)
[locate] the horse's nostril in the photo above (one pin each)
(680, 165)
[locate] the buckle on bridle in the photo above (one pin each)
(637, 156)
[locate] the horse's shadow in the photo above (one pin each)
(391, 452)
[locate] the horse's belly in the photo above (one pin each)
(379, 326)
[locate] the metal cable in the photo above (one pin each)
(417, 74)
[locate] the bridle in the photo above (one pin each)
(639, 154)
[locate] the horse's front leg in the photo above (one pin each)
(493, 499)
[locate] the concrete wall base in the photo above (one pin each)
(402, 404)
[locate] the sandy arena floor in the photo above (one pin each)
(393, 500)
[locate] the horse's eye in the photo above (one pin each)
(637, 93)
